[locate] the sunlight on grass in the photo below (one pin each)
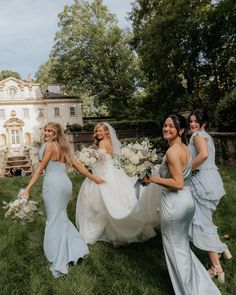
(136, 269)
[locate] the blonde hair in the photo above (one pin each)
(104, 126)
(60, 138)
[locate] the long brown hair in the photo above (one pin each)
(180, 123)
(60, 138)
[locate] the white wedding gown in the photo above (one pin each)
(111, 211)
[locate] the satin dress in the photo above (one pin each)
(63, 243)
(188, 275)
(207, 189)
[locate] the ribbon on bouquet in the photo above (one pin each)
(137, 187)
(139, 182)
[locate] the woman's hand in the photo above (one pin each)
(98, 180)
(147, 179)
(25, 194)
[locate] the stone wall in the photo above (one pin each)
(86, 138)
(225, 142)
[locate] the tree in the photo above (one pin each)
(8, 73)
(187, 50)
(44, 75)
(93, 56)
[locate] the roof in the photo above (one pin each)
(55, 95)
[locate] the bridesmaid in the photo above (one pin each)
(207, 189)
(62, 242)
(188, 275)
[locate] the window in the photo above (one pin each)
(15, 137)
(56, 112)
(40, 113)
(26, 113)
(2, 114)
(72, 111)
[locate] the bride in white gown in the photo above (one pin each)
(111, 211)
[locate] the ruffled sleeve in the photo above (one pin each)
(203, 134)
(41, 151)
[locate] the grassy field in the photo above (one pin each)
(134, 269)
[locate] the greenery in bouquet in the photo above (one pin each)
(138, 159)
(21, 210)
(88, 156)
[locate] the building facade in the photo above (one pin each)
(25, 109)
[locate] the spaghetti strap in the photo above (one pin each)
(58, 154)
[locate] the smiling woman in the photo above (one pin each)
(63, 244)
(188, 275)
(207, 189)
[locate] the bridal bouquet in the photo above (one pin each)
(21, 210)
(88, 156)
(138, 159)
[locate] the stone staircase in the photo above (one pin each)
(20, 163)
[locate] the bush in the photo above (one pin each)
(75, 127)
(225, 113)
(89, 126)
(120, 125)
(137, 124)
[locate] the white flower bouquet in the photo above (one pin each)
(88, 156)
(21, 210)
(138, 159)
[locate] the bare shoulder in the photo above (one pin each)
(50, 147)
(104, 143)
(174, 153)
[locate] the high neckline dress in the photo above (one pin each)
(63, 243)
(207, 190)
(188, 275)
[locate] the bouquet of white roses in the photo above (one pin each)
(138, 159)
(21, 210)
(88, 156)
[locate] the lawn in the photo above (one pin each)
(133, 269)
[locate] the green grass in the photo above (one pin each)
(133, 269)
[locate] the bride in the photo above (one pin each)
(111, 211)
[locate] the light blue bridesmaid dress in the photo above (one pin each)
(63, 243)
(207, 190)
(188, 275)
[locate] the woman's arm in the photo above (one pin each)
(176, 181)
(201, 146)
(86, 173)
(42, 164)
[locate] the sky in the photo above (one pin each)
(27, 29)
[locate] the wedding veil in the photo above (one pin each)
(116, 145)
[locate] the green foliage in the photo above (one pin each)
(44, 75)
(121, 125)
(187, 50)
(134, 269)
(92, 108)
(75, 127)
(8, 73)
(89, 126)
(91, 55)
(135, 124)
(225, 113)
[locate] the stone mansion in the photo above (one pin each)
(25, 109)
